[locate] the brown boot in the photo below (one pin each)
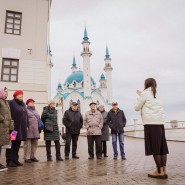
(165, 171)
(157, 175)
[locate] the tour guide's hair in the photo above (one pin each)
(151, 82)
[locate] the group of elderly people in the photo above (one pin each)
(21, 121)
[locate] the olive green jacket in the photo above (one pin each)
(6, 122)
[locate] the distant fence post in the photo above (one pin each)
(174, 123)
(135, 124)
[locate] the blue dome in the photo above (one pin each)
(77, 76)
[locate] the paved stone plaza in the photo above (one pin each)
(93, 172)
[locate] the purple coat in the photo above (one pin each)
(20, 117)
(33, 131)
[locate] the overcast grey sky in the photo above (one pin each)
(146, 38)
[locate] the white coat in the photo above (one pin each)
(151, 108)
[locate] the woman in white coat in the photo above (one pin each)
(152, 115)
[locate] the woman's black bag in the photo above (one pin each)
(48, 127)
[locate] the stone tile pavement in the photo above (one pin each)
(107, 171)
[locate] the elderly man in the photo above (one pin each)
(93, 122)
(116, 120)
(73, 121)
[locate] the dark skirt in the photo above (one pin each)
(155, 140)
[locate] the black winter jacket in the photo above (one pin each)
(73, 121)
(116, 121)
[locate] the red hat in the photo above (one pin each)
(18, 92)
(29, 100)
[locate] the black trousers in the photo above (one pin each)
(104, 147)
(97, 139)
(57, 148)
(12, 155)
(74, 139)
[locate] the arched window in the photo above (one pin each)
(82, 84)
(74, 84)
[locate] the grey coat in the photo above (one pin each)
(93, 122)
(33, 116)
(105, 129)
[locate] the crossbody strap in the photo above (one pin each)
(34, 114)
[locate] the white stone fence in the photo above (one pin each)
(173, 124)
(175, 130)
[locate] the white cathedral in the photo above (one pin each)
(81, 87)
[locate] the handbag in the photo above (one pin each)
(13, 135)
(64, 136)
(40, 123)
(48, 127)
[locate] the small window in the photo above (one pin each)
(9, 71)
(13, 22)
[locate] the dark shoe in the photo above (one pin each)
(34, 160)
(105, 155)
(3, 168)
(18, 163)
(157, 176)
(28, 161)
(49, 159)
(99, 157)
(59, 159)
(66, 157)
(11, 164)
(91, 157)
(75, 157)
(115, 157)
(123, 158)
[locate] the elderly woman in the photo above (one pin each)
(152, 114)
(51, 130)
(20, 117)
(6, 123)
(105, 130)
(30, 145)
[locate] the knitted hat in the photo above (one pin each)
(29, 100)
(18, 92)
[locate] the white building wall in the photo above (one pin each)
(34, 68)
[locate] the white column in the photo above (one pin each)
(108, 69)
(109, 85)
(86, 54)
(135, 124)
(87, 75)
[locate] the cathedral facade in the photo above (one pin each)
(80, 86)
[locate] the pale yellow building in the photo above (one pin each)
(25, 57)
